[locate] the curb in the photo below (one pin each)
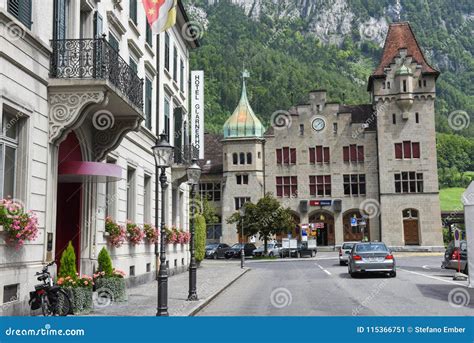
(215, 295)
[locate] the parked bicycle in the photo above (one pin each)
(52, 299)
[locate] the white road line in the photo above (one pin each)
(324, 270)
(433, 277)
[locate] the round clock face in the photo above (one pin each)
(318, 124)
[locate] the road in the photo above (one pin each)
(320, 287)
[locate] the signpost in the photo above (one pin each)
(457, 244)
(353, 221)
(197, 111)
(468, 202)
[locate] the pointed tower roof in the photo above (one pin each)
(243, 122)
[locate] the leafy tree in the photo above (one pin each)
(105, 262)
(265, 218)
(68, 262)
(209, 212)
(200, 237)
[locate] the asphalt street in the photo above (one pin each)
(321, 287)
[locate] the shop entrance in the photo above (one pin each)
(323, 223)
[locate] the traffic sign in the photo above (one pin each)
(457, 238)
(353, 221)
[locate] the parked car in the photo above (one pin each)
(451, 257)
(273, 249)
(344, 252)
(368, 257)
(216, 250)
(301, 250)
(235, 250)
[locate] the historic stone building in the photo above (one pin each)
(86, 88)
(347, 172)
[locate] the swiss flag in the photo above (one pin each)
(161, 14)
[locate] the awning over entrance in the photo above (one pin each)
(92, 172)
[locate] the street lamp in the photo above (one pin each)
(194, 173)
(163, 153)
(242, 251)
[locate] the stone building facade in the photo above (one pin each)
(86, 88)
(347, 172)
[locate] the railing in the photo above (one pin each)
(185, 155)
(95, 59)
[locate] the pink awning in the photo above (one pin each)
(93, 172)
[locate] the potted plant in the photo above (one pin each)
(79, 288)
(17, 224)
(116, 234)
(151, 233)
(108, 280)
(135, 234)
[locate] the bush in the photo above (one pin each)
(105, 262)
(68, 262)
(112, 288)
(81, 299)
(200, 237)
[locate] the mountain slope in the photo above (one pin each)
(293, 46)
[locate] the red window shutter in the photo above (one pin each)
(353, 149)
(398, 151)
(286, 155)
(319, 154)
(360, 153)
(407, 149)
(293, 155)
(326, 155)
(416, 150)
(311, 155)
(279, 156)
(345, 153)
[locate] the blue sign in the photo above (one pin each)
(303, 232)
(353, 221)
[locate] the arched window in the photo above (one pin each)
(249, 158)
(235, 158)
(242, 158)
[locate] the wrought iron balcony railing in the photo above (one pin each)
(95, 59)
(185, 155)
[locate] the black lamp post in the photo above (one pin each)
(163, 153)
(242, 250)
(194, 173)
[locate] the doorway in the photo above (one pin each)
(410, 227)
(323, 223)
(69, 203)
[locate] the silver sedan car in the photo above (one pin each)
(371, 257)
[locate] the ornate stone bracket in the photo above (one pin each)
(66, 108)
(106, 140)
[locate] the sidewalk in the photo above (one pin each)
(212, 278)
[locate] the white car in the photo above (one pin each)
(273, 249)
(344, 252)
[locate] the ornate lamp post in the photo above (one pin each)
(163, 153)
(194, 173)
(242, 250)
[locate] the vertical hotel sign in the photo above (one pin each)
(197, 111)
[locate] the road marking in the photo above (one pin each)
(426, 267)
(326, 258)
(324, 270)
(432, 277)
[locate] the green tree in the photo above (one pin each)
(68, 262)
(265, 218)
(200, 237)
(105, 262)
(209, 212)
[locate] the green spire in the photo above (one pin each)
(243, 122)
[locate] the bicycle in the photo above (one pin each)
(52, 299)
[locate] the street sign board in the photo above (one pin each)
(457, 238)
(353, 221)
(197, 111)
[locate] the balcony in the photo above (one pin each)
(93, 87)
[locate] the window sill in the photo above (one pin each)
(149, 48)
(134, 27)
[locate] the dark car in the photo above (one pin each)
(301, 250)
(235, 250)
(451, 257)
(216, 250)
